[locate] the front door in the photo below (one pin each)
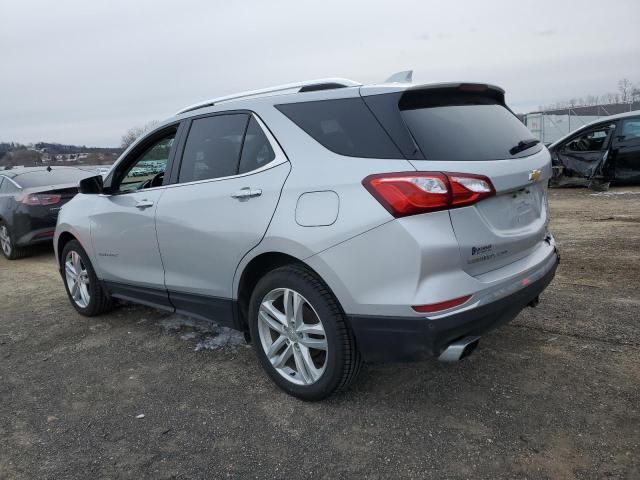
(225, 195)
(123, 223)
(585, 153)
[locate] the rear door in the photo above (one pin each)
(225, 193)
(626, 151)
(468, 129)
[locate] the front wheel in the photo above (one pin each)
(83, 287)
(300, 334)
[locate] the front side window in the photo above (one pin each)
(148, 170)
(592, 140)
(213, 146)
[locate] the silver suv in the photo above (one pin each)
(334, 223)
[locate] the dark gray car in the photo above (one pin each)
(601, 152)
(30, 199)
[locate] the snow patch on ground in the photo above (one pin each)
(611, 194)
(207, 335)
(226, 336)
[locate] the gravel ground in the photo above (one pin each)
(555, 394)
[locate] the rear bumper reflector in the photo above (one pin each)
(48, 233)
(437, 307)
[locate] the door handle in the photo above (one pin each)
(142, 204)
(247, 193)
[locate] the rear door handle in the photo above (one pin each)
(142, 204)
(247, 193)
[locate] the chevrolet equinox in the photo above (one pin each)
(333, 223)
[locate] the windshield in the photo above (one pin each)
(43, 178)
(469, 132)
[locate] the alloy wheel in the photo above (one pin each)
(292, 336)
(5, 240)
(77, 279)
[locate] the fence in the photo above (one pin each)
(551, 125)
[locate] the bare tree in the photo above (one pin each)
(611, 97)
(624, 86)
(635, 94)
(133, 133)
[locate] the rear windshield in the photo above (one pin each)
(464, 127)
(43, 178)
(345, 126)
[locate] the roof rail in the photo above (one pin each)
(306, 86)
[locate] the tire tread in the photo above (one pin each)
(352, 358)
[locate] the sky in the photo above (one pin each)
(83, 72)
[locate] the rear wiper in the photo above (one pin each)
(523, 145)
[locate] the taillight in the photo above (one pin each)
(40, 199)
(411, 193)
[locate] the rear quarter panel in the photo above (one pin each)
(316, 169)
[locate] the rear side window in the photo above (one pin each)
(256, 151)
(344, 126)
(464, 127)
(212, 149)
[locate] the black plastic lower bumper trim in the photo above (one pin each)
(388, 339)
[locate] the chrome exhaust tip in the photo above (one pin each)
(459, 349)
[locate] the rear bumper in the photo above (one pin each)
(33, 224)
(36, 236)
(386, 339)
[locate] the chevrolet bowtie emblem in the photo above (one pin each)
(534, 175)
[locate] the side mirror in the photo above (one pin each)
(91, 185)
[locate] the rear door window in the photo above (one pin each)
(464, 127)
(630, 129)
(213, 146)
(344, 126)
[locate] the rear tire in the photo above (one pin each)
(86, 293)
(8, 246)
(308, 373)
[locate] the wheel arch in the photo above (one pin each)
(64, 238)
(256, 268)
